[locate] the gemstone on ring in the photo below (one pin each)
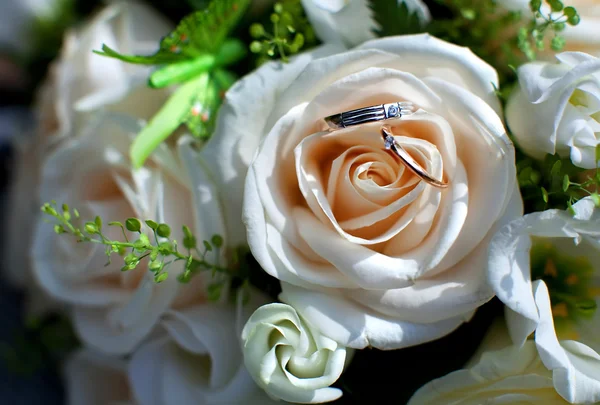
(393, 111)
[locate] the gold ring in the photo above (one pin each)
(409, 162)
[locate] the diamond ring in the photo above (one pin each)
(384, 112)
(370, 114)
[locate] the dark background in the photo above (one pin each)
(373, 376)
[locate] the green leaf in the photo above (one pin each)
(394, 18)
(200, 33)
(151, 224)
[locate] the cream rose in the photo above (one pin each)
(561, 309)
(114, 310)
(350, 22)
(368, 254)
(290, 359)
(584, 37)
(556, 108)
(196, 359)
(94, 378)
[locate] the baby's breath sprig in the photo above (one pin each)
(531, 38)
(160, 253)
(556, 183)
(291, 31)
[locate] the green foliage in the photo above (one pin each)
(394, 18)
(195, 55)
(505, 39)
(160, 253)
(532, 38)
(287, 33)
(202, 32)
(555, 183)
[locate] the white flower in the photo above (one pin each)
(94, 378)
(114, 310)
(511, 375)
(350, 22)
(81, 81)
(556, 108)
(79, 75)
(196, 360)
(584, 37)
(290, 359)
(564, 305)
(367, 253)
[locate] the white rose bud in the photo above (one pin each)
(555, 109)
(289, 359)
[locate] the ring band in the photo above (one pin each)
(391, 144)
(369, 114)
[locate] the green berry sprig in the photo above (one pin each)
(160, 253)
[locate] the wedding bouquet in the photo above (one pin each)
(276, 201)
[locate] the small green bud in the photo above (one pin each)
(165, 248)
(185, 277)
(274, 18)
(155, 266)
(257, 30)
(75, 212)
(154, 254)
(163, 230)
(159, 278)
(98, 222)
(534, 5)
(545, 195)
(574, 20)
(278, 8)
(207, 246)
(133, 225)
(91, 228)
(566, 183)
(48, 209)
(558, 43)
(142, 243)
(569, 11)
(115, 223)
(217, 240)
(58, 229)
(468, 14)
(256, 47)
(151, 224)
(556, 5)
(558, 27)
(130, 258)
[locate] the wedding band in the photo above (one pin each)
(370, 114)
(391, 144)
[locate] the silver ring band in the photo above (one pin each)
(370, 114)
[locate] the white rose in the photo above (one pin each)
(369, 254)
(511, 375)
(561, 309)
(81, 81)
(79, 75)
(350, 22)
(290, 359)
(555, 108)
(196, 360)
(114, 310)
(94, 378)
(584, 37)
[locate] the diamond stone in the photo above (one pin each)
(388, 142)
(393, 111)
